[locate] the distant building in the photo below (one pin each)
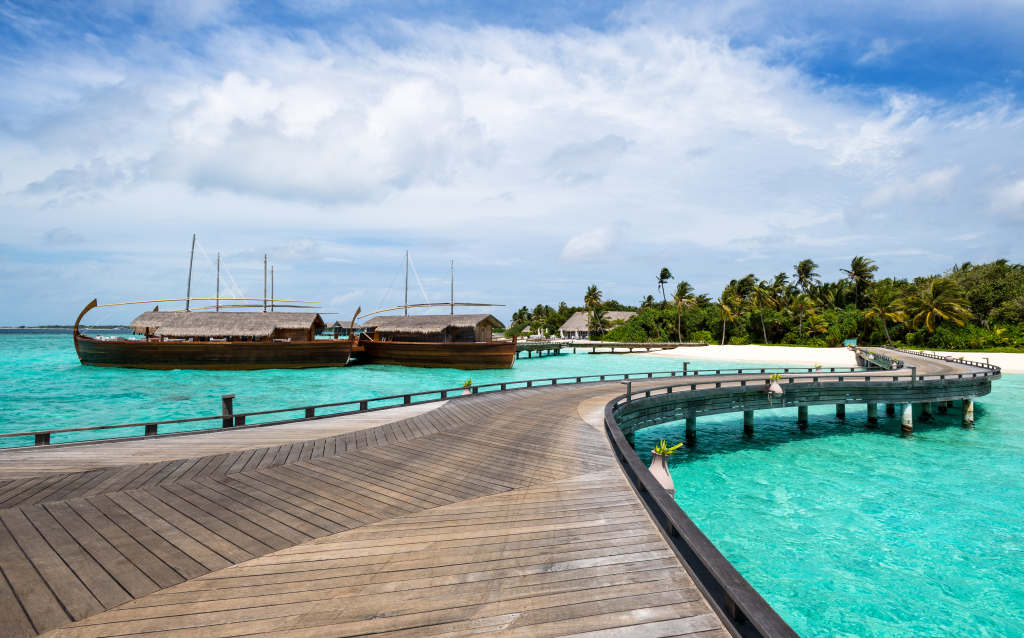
(345, 327)
(577, 327)
(434, 328)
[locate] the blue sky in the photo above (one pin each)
(543, 146)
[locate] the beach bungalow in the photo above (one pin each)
(434, 328)
(341, 328)
(577, 327)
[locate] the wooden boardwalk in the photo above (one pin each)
(496, 513)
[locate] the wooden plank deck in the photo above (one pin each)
(501, 512)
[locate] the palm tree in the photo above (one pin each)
(728, 303)
(592, 301)
(806, 274)
(862, 270)
(803, 305)
(884, 302)
(647, 302)
(816, 324)
(940, 299)
(598, 321)
(663, 278)
(682, 299)
(763, 295)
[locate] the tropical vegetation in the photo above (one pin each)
(968, 307)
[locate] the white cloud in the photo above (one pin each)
(591, 246)
(62, 236)
(1009, 197)
(879, 48)
(575, 164)
(929, 186)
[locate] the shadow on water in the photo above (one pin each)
(723, 433)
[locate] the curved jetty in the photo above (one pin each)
(522, 513)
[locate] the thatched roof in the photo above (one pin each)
(578, 322)
(220, 324)
(429, 324)
(347, 325)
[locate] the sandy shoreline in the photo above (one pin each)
(1010, 362)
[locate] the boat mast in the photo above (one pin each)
(188, 291)
(407, 283)
(453, 286)
(271, 289)
(264, 283)
(218, 282)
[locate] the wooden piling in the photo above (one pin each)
(926, 411)
(908, 417)
(691, 429)
(748, 421)
(801, 415)
(840, 410)
(873, 413)
(968, 413)
(890, 409)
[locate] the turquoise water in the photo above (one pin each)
(845, 531)
(45, 387)
(854, 532)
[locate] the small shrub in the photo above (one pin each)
(739, 340)
(702, 335)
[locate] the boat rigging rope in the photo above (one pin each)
(392, 284)
(427, 299)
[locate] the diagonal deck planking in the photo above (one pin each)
(497, 512)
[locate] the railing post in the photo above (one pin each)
(43, 438)
(310, 413)
(364, 405)
(629, 392)
(407, 399)
(227, 408)
(913, 374)
(239, 420)
(151, 429)
(444, 393)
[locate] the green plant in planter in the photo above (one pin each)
(663, 448)
(467, 383)
(817, 366)
(775, 377)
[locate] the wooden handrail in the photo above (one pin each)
(42, 437)
(735, 596)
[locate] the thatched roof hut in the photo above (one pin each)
(577, 326)
(298, 326)
(434, 327)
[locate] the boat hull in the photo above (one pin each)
(205, 355)
(461, 356)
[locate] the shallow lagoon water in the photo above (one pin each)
(848, 531)
(845, 531)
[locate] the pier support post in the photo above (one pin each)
(840, 410)
(801, 416)
(908, 417)
(890, 409)
(748, 421)
(968, 412)
(926, 411)
(872, 414)
(942, 407)
(227, 408)
(691, 429)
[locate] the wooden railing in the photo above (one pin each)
(229, 418)
(713, 574)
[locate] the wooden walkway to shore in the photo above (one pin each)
(502, 512)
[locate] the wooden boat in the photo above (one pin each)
(461, 356)
(216, 341)
(435, 341)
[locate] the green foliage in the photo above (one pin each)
(663, 448)
(970, 307)
(467, 383)
(702, 335)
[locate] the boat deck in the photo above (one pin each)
(502, 512)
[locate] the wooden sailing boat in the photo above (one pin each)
(434, 341)
(217, 340)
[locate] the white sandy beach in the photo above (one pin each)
(1010, 362)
